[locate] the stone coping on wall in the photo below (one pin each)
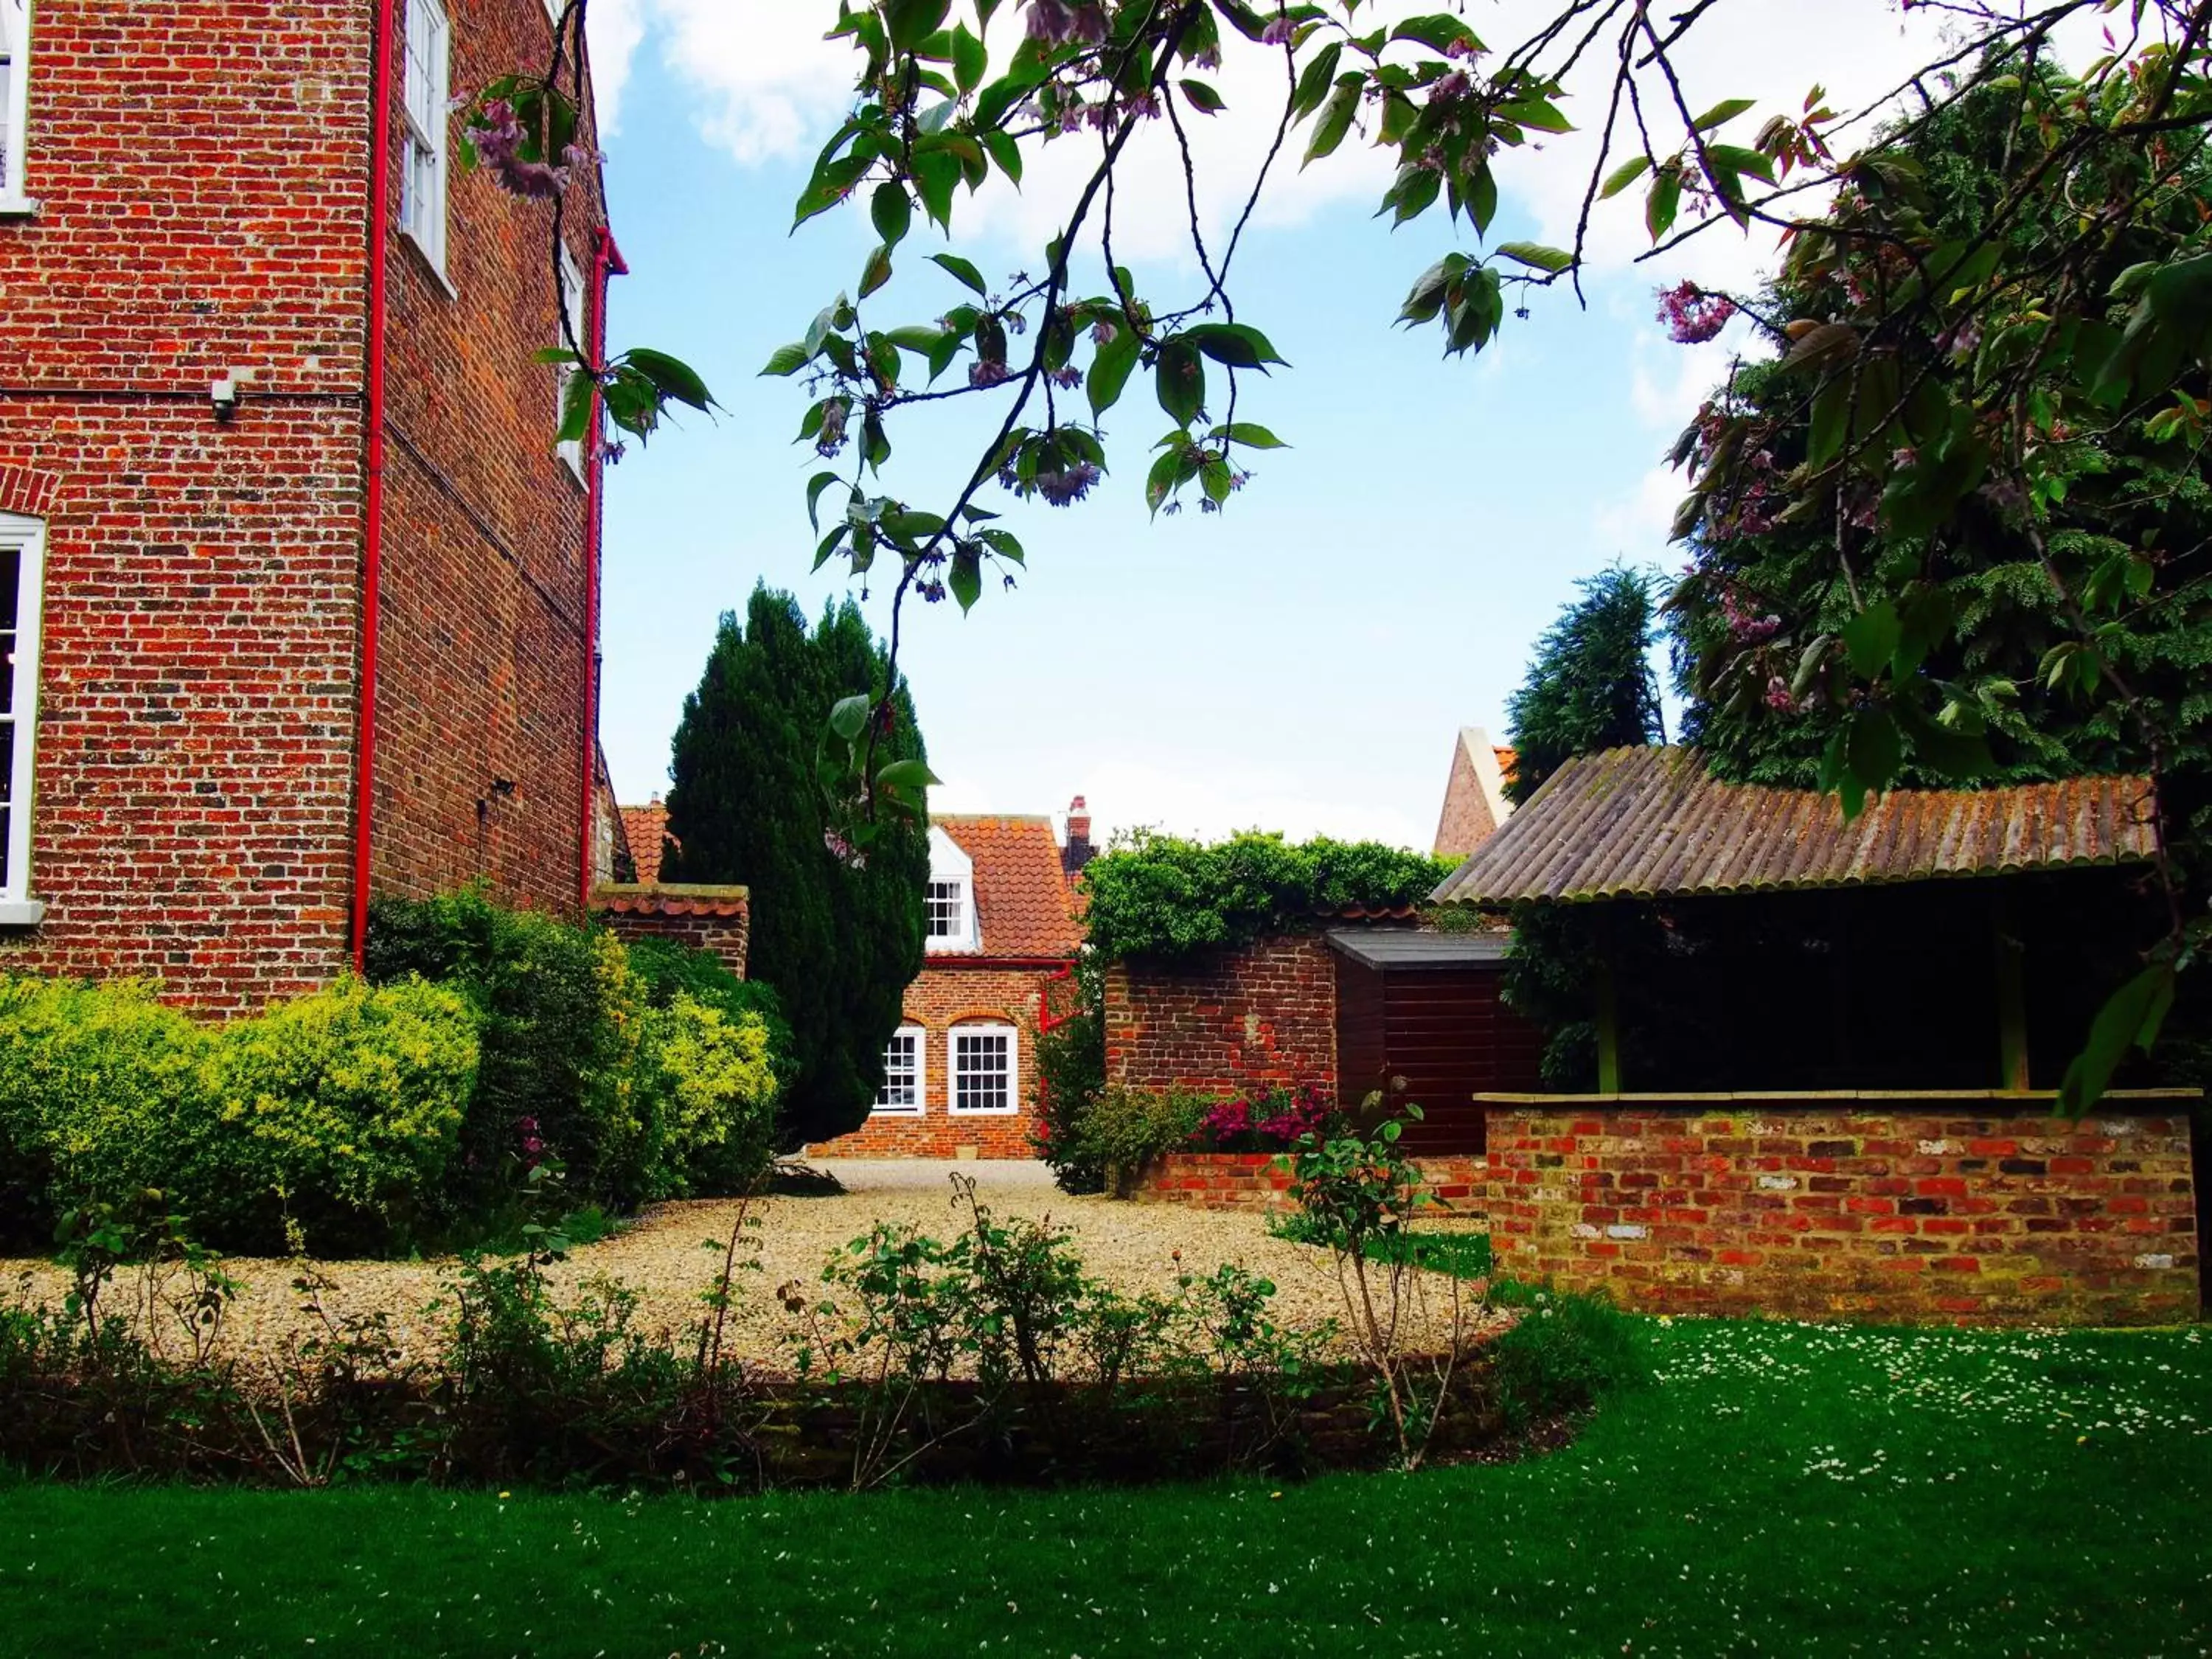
(1818, 1096)
(669, 899)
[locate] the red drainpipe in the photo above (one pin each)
(372, 563)
(606, 261)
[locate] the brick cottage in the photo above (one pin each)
(960, 1073)
(300, 599)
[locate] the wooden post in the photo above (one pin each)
(1608, 1030)
(2012, 996)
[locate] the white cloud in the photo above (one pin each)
(1636, 524)
(613, 28)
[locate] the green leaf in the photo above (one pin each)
(815, 486)
(1232, 344)
(876, 272)
(1831, 422)
(1005, 152)
(965, 578)
(670, 376)
(912, 21)
(1181, 378)
(1663, 201)
(849, 716)
(1314, 80)
(1722, 112)
(907, 775)
(1554, 259)
(1623, 176)
(1250, 434)
(970, 60)
(1537, 112)
(1335, 121)
(787, 360)
(1203, 98)
(936, 174)
(1924, 618)
(892, 210)
(2130, 1018)
(1439, 31)
(964, 268)
(1871, 637)
(1110, 366)
(1874, 749)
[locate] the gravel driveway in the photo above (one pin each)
(663, 1254)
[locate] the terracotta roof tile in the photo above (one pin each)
(644, 826)
(1022, 907)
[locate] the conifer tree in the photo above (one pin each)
(839, 936)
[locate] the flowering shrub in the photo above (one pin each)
(1274, 1122)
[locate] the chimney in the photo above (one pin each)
(1077, 853)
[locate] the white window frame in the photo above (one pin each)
(15, 198)
(426, 131)
(948, 866)
(920, 1037)
(27, 538)
(575, 300)
(954, 1071)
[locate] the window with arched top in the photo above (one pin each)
(22, 581)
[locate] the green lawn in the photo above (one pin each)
(1786, 1489)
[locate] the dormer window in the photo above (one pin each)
(950, 899)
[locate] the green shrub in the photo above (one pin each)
(1127, 1129)
(1163, 896)
(718, 1095)
(101, 1092)
(536, 984)
(1071, 1074)
(343, 1110)
(670, 970)
(1565, 1352)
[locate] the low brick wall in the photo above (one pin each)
(1260, 1180)
(1927, 1209)
(1227, 1021)
(714, 919)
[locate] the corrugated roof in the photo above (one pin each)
(1022, 907)
(1641, 823)
(1413, 948)
(644, 828)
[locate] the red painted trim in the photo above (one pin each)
(606, 261)
(1046, 1019)
(371, 556)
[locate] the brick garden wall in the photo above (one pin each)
(714, 919)
(945, 995)
(199, 168)
(1928, 1210)
(1226, 1022)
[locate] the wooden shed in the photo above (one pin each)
(1421, 1018)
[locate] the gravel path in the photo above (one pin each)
(662, 1255)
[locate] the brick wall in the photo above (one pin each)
(1928, 1210)
(943, 997)
(199, 168)
(201, 172)
(1938, 1210)
(1226, 1022)
(705, 918)
(484, 655)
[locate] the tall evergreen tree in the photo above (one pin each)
(1591, 685)
(840, 939)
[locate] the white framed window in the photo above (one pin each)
(950, 899)
(574, 308)
(983, 1070)
(905, 1073)
(22, 579)
(14, 103)
(425, 76)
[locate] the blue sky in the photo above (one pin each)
(1300, 662)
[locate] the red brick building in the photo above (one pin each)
(960, 1075)
(298, 596)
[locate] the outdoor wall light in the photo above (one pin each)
(224, 394)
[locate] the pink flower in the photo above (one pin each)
(1778, 695)
(1053, 22)
(1061, 488)
(498, 137)
(987, 372)
(1277, 32)
(1692, 315)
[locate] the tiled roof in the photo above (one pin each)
(1022, 907)
(683, 899)
(644, 826)
(1641, 823)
